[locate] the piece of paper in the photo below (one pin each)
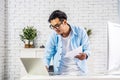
(74, 52)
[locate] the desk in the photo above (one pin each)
(100, 77)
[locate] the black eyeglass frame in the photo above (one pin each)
(57, 25)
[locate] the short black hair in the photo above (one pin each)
(57, 14)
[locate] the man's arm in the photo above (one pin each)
(49, 50)
(85, 46)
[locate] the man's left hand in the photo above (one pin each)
(81, 56)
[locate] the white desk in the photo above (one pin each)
(102, 77)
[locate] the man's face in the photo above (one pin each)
(57, 25)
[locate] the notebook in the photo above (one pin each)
(34, 66)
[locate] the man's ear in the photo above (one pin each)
(65, 21)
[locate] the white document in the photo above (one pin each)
(74, 52)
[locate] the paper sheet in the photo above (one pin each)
(74, 52)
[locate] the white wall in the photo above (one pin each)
(92, 14)
(2, 44)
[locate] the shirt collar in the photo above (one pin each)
(73, 29)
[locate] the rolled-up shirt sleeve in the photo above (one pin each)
(85, 43)
(49, 50)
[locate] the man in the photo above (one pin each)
(64, 39)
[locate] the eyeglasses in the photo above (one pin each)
(56, 26)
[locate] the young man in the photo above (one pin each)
(64, 39)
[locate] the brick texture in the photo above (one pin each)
(2, 39)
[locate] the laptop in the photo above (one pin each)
(34, 66)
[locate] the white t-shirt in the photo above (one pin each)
(68, 65)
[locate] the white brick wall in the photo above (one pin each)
(2, 44)
(92, 14)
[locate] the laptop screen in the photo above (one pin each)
(34, 66)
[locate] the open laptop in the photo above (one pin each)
(34, 66)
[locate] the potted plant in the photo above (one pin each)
(89, 31)
(28, 36)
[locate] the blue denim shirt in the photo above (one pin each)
(53, 48)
